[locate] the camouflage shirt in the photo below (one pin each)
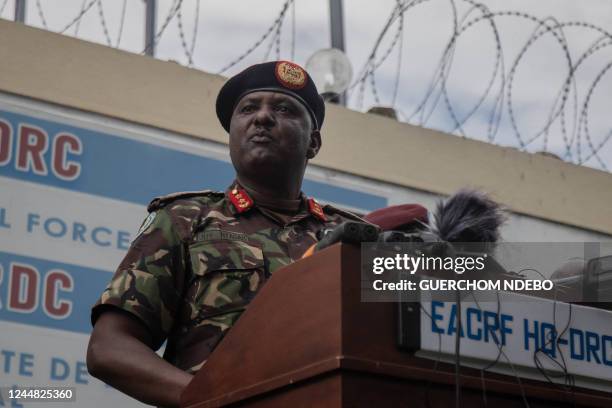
(198, 261)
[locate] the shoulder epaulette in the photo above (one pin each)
(162, 201)
(334, 210)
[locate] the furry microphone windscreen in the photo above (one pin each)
(468, 216)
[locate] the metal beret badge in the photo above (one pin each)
(290, 75)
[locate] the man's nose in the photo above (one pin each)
(265, 116)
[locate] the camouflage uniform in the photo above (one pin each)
(200, 259)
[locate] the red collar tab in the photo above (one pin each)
(241, 200)
(316, 210)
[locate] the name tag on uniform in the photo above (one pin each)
(221, 235)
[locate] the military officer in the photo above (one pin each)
(201, 257)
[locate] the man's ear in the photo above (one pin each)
(315, 144)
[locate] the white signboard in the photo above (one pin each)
(73, 191)
(520, 333)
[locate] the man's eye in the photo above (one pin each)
(283, 109)
(247, 109)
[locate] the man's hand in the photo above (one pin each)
(120, 354)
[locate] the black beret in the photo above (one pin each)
(276, 76)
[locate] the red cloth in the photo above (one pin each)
(397, 217)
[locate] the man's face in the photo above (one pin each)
(271, 131)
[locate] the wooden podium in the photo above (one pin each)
(307, 340)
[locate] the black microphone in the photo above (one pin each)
(468, 216)
(351, 232)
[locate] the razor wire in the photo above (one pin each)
(569, 110)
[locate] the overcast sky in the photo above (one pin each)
(225, 30)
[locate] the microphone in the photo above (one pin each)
(352, 232)
(468, 216)
(468, 222)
